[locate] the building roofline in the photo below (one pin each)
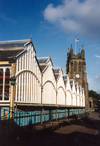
(42, 57)
(13, 41)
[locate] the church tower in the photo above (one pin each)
(76, 69)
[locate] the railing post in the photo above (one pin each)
(65, 113)
(78, 111)
(41, 89)
(35, 117)
(72, 112)
(34, 122)
(49, 115)
(19, 118)
(58, 117)
(68, 114)
(56, 114)
(12, 96)
(41, 116)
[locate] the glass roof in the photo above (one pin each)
(65, 77)
(56, 70)
(42, 60)
(12, 45)
(71, 81)
(16, 43)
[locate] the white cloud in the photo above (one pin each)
(97, 56)
(76, 17)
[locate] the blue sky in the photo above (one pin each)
(54, 26)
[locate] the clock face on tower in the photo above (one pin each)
(77, 75)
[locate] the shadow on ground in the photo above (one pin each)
(83, 132)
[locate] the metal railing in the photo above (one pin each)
(12, 118)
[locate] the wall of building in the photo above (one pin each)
(28, 78)
(36, 88)
(76, 69)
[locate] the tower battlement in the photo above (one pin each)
(81, 54)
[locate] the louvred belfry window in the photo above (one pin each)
(79, 66)
(75, 66)
(72, 67)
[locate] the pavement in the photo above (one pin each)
(82, 132)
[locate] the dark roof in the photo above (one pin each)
(56, 77)
(11, 49)
(42, 67)
(4, 55)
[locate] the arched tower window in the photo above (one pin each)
(75, 66)
(71, 66)
(79, 67)
(84, 67)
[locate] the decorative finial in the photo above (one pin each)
(71, 45)
(82, 47)
(31, 38)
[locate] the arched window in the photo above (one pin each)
(79, 67)
(6, 92)
(1, 84)
(72, 67)
(75, 66)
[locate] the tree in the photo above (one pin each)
(96, 98)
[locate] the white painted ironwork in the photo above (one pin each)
(40, 84)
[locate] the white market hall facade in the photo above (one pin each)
(26, 80)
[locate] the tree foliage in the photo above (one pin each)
(96, 97)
